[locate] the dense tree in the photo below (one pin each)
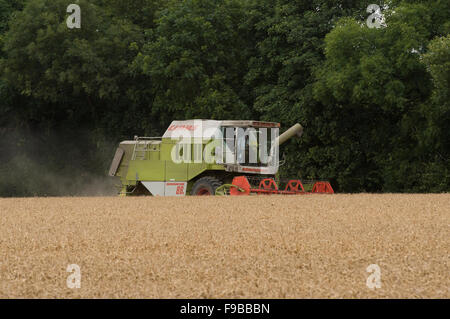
(7, 8)
(282, 77)
(435, 139)
(373, 85)
(196, 59)
(374, 102)
(75, 90)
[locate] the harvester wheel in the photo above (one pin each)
(206, 186)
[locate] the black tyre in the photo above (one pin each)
(206, 186)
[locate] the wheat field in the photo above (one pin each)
(316, 246)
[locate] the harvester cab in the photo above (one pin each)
(202, 157)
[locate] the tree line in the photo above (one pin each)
(374, 102)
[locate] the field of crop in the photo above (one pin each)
(226, 247)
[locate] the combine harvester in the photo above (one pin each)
(208, 157)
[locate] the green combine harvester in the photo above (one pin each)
(205, 157)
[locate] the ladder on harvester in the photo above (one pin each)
(140, 149)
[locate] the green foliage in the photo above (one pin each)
(7, 8)
(435, 139)
(139, 12)
(282, 75)
(437, 59)
(379, 72)
(61, 62)
(195, 59)
(374, 102)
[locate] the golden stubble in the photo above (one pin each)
(316, 246)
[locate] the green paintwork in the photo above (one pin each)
(156, 164)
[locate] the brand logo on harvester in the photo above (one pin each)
(177, 127)
(199, 143)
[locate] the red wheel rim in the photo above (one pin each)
(203, 192)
